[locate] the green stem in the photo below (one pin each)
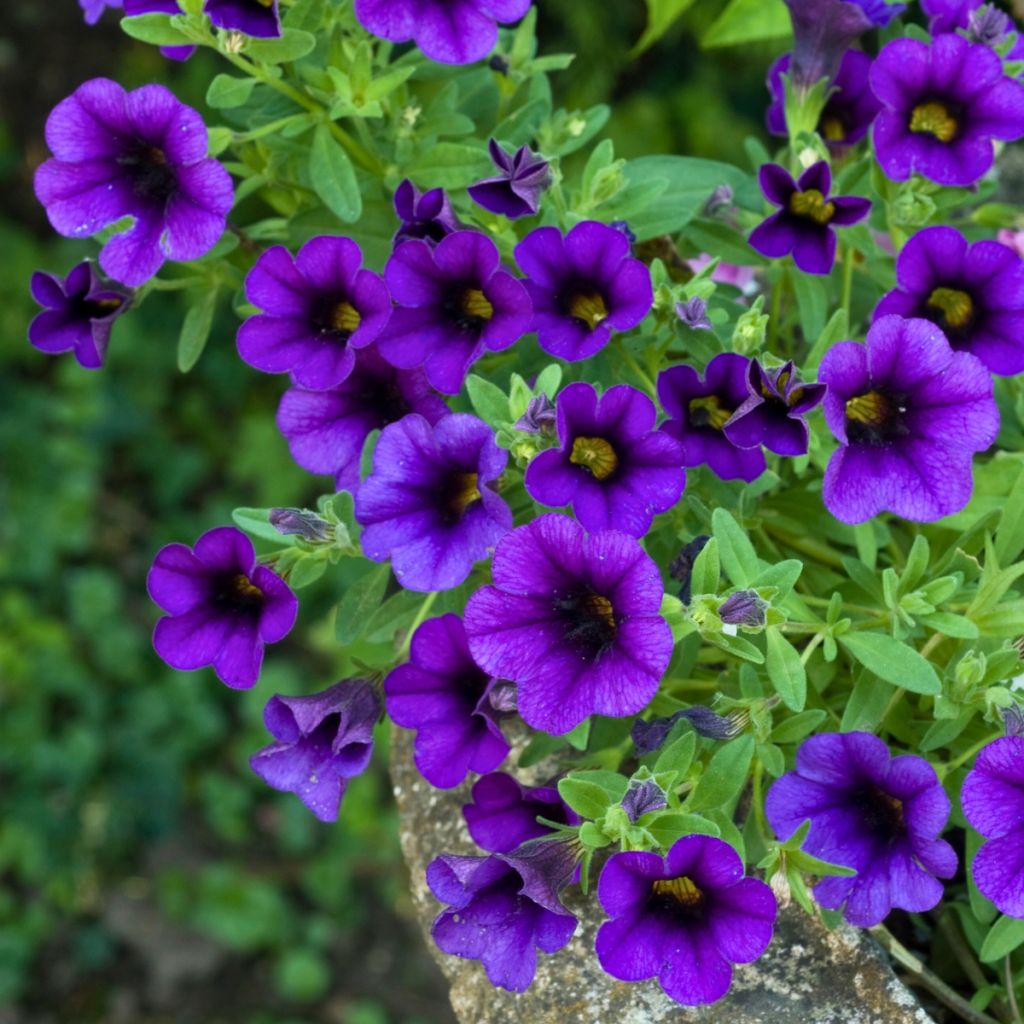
(805, 655)
(424, 611)
(968, 754)
(819, 552)
(847, 279)
(648, 384)
(1010, 993)
(950, 929)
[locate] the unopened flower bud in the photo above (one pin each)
(300, 522)
(744, 608)
(694, 314)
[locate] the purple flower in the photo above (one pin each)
(573, 620)
(681, 567)
(299, 522)
(612, 466)
(878, 814)
(683, 919)
(698, 409)
(134, 7)
(503, 908)
(430, 504)
(804, 224)
(326, 430)
(93, 9)
(1013, 720)
(140, 154)
(948, 15)
(253, 17)
(451, 33)
(454, 303)
(849, 111)
(744, 608)
(428, 216)
(992, 798)
(442, 694)
(650, 735)
(943, 105)
(539, 417)
(583, 285)
(78, 312)
(909, 413)
(515, 191)
(988, 25)
(773, 412)
(974, 293)
(694, 314)
(323, 740)
(318, 308)
(504, 813)
(221, 606)
(642, 797)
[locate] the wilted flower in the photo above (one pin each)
(694, 314)
(300, 522)
(744, 608)
(539, 416)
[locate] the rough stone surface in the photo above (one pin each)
(808, 976)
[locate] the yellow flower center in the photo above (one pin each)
(476, 304)
(871, 409)
(244, 590)
(832, 129)
(682, 890)
(600, 608)
(595, 454)
(933, 118)
(464, 490)
(956, 306)
(812, 205)
(106, 305)
(708, 412)
(588, 307)
(343, 317)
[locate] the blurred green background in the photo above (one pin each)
(145, 875)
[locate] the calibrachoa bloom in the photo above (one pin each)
(943, 104)
(445, 696)
(612, 466)
(454, 304)
(516, 190)
(804, 226)
(134, 7)
(78, 312)
(221, 606)
(93, 9)
(948, 15)
(253, 17)
(773, 412)
(698, 409)
(909, 414)
(322, 741)
(684, 919)
(694, 314)
(452, 33)
(504, 812)
(427, 215)
(878, 814)
(318, 308)
(992, 798)
(974, 293)
(849, 110)
(573, 620)
(584, 286)
(503, 908)
(430, 504)
(326, 430)
(140, 154)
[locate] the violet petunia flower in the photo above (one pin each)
(430, 503)
(258, 18)
(140, 154)
(78, 312)
(584, 286)
(988, 25)
(943, 104)
(909, 414)
(773, 412)
(321, 741)
(445, 696)
(849, 110)
(973, 293)
(540, 416)
(684, 919)
(451, 33)
(93, 9)
(454, 304)
(504, 907)
(319, 307)
(992, 798)
(948, 15)
(573, 619)
(698, 408)
(515, 191)
(804, 226)
(878, 814)
(326, 430)
(424, 215)
(504, 812)
(221, 606)
(134, 7)
(611, 465)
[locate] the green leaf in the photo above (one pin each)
(725, 776)
(333, 176)
(1003, 938)
(579, 737)
(667, 828)
(227, 91)
(865, 705)
(1010, 532)
(256, 523)
(305, 14)
(748, 21)
(292, 45)
(489, 402)
(835, 330)
(195, 330)
(587, 799)
(359, 602)
(306, 570)
(678, 755)
(785, 670)
(739, 559)
(796, 728)
(893, 661)
(660, 16)
(614, 784)
(155, 29)
(782, 575)
(950, 624)
(592, 836)
(450, 165)
(706, 573)
(812, 299)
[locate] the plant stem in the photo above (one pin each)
(805, 656)
(847, 280)
(1010, 993)
(947, 924)
(424, 611)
